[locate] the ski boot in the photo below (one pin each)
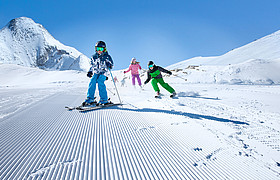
(89, 102)
(157, 94)
(173, 94)
(104, 103)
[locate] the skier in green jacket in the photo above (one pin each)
(154, 73)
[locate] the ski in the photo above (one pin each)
(173, 96)
(69, 108)
(89, 108)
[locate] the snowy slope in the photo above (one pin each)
(266, 48)
(255, 71)
(26, 43)
(213, 129)
(255, 63)
(12, 75)
(209, 131)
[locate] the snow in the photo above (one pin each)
(209, 131)
(255, 63)
(223, 123)
(27, 43)
(266, 48)
(253, 71)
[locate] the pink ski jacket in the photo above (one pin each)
(133, 68)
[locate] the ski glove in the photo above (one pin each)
(170, 73)
(110, 66)
(89, 74)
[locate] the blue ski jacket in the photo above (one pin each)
(100, 64)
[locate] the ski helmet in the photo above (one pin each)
(151, 63)
(100, 44)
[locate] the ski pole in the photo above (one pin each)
(179, 77)
(111, 92)
(115, 85)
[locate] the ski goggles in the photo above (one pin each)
(100, 48)
(151, 65)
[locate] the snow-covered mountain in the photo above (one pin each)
(208, 131)
(266, 48)
(255, 63)
(23, 42)
(26, 43)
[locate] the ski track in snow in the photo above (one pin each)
(40, 172)
(13, 101)
(45, 141)
(245, 131)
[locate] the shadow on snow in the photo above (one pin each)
(195, 95)
(189, 115)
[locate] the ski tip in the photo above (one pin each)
(70, 108)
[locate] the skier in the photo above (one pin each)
(122, 82)
(154, 73)
(100, 62)
(116, 79)
(133, 67)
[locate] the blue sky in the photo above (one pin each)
(160, 30)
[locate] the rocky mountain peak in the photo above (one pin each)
(24, 42)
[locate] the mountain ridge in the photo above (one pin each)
(26, 43)
(266, 48)
(255, 63)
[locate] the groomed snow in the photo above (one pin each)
(223, 123)
(210, 131)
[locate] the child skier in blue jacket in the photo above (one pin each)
(100, 62)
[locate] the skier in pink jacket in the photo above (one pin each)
(133, 67)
